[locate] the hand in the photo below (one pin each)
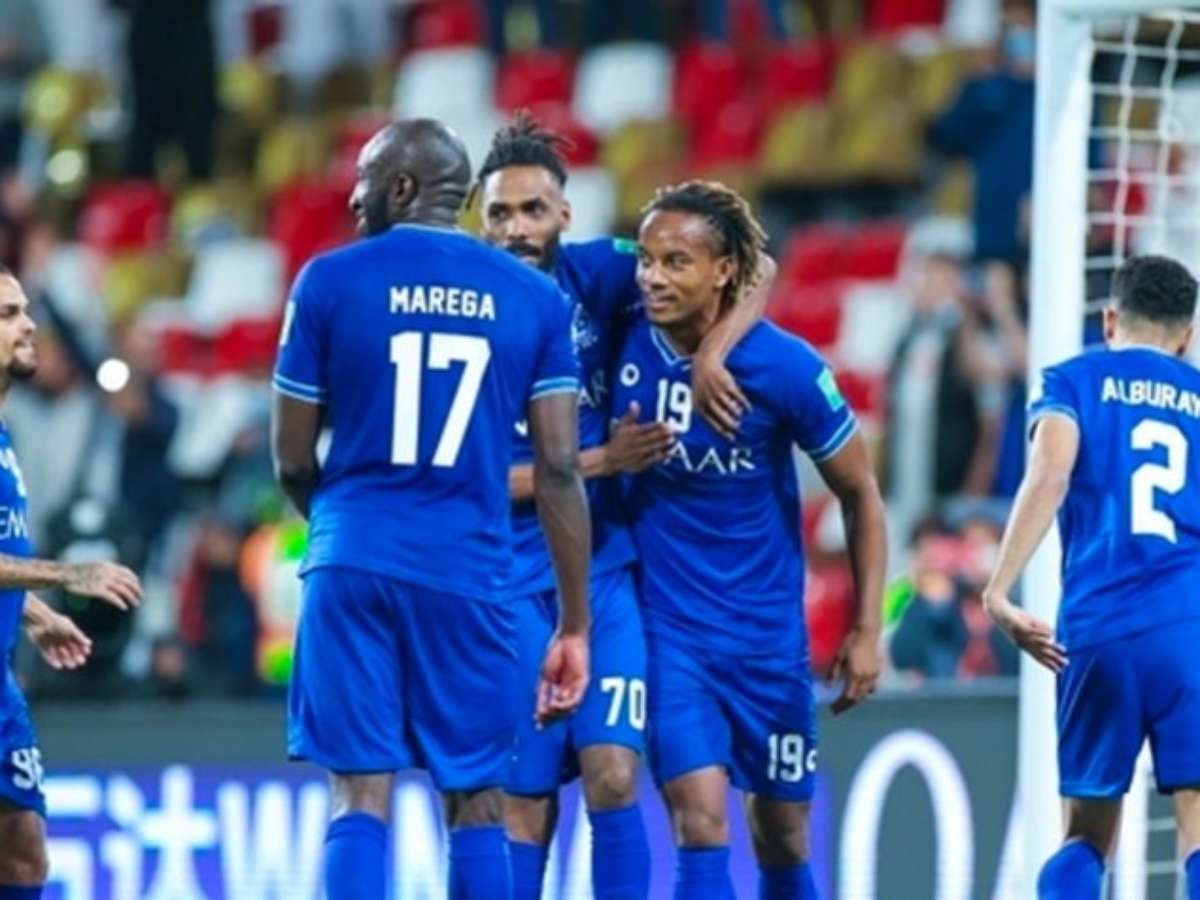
(564, 678)
(857, 662)
(717, 396)
(634, 447)
(110, 582)
(60, 641)
(1028, 632)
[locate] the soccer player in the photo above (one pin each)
(722, 566)
(524, 211)
(23, 862)
(1112, 456)
(418, 348)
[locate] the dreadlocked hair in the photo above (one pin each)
(526, 143)
(736, 231)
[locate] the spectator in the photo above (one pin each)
(991, 122)
(319, 35)
(945, 401)
(172, 66)
(22, 50)
(549, 25)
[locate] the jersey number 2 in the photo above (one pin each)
(1151, 477)
(407, 356)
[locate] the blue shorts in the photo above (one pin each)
(753, 715)
(389, 675)
(20, 756)
(1115, 695)
(613, 709)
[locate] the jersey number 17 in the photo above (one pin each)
(408, 356)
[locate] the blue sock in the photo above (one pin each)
(1075, 872)
(355, 858)
(702, 873)
(620, 855)
(1192, 866)
(528, 869)
(787, 883)
(12, 892)
(479, 867)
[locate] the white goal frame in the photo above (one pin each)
(1056, 315)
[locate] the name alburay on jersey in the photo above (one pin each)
(1144, 392)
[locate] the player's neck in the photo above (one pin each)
(1146, 339)
(686, 336)
(433, 217)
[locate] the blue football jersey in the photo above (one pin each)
(717, 524)
(14, 541)
(599, 277)
(1130, 524)
(423, 346)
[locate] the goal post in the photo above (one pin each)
(1059, 286)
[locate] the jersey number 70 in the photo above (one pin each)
(408, 355)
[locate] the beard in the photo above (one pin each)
(375, 218)
(21, 371)
(543, 257)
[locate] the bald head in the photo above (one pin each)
(414, 170)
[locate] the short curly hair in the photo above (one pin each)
(1156, 288)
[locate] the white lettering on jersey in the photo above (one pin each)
(1143, 392)
(713, 460)
(440, 300)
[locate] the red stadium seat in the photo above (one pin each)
(443, 23)
(866, 394)
(733, 136)
(125, 215)
(801, 73)
(247, 346)
(873, 251)
(584, 147)
(708, 77)
(814, 312)
(264, 26)
(181, 350)
(348, 142)
(308, 217)
(813, 256)
(896, 15)
(542, 77)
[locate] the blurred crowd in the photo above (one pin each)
(166, 167)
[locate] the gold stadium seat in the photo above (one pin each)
(869, 73)
(130, 280)
(250, 92)
(57, 99)
(883, 144)
(798, 147)
(636, 146)
(290, 150)
(935, 80)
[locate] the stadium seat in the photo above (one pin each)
(593, 198)
(637, 146)
(437, 24)
(896, 15)
(264, 26)
(869, 73)
(873, 250)
(731, 137)
(866, 394)
(56, 100)
(124, 215)
(235, 279)
(883, 145)
(874, 315)
(348, 142)
(584, 147)
(289, 151)
(936, 78)
(797, 148)
(307, 217)
(813, 256)
(708, 77)
(814, 312)
(449, 84)
(537, 78)
(249, 92)
(620, 83)
(798, 73)
(247, 346)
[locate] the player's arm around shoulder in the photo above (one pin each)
(1043, 489)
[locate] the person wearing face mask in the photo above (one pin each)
(991, 123)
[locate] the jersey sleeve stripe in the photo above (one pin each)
(553, 386)
(1050, 409)
(835, 443)
(298, 395)
(299, 385)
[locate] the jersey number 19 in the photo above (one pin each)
(408, 354)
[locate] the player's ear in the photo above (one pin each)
(566, 214)
(404, 190)
(1110, 323)
(726, 269)
(1185, 340)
